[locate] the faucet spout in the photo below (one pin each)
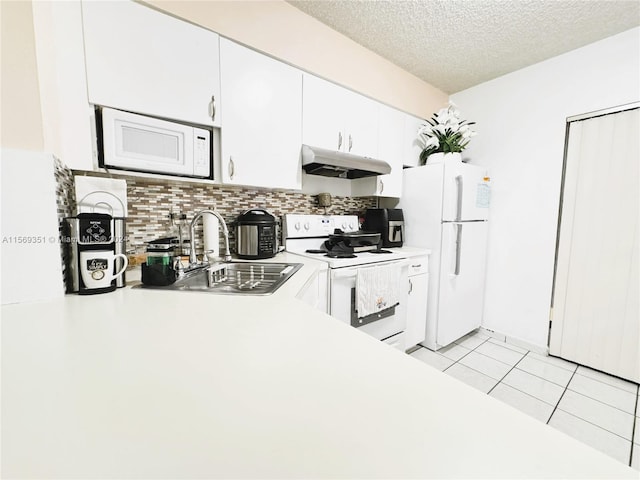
(192, 234)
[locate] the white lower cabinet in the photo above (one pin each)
(417, 301)
(262, 132)
(314, 292)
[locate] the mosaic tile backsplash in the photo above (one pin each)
(151, 201)
(65, 205)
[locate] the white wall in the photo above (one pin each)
(21, 118)
(279, 29)
(521, 119)
(30, 250)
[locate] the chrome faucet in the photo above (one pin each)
(193, 260)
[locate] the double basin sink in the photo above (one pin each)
(236, 278)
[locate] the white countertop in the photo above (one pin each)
(162, 384)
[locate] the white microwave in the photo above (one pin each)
(145, 144)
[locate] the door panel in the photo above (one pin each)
(595, 301)
(462, 278)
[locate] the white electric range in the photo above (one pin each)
(307, 235)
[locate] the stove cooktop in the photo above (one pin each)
(358, 258)
(306, 235)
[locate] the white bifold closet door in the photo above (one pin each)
(596, 319)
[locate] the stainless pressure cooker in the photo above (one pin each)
(256, 234)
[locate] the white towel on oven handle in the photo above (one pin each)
(377, 288)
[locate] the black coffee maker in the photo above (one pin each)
(388, 222)
(95, 253)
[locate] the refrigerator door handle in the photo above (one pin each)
(460, 188)
(456, 270)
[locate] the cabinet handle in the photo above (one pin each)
(339, 140)
(410, 286)
(416, 266)
(381, 186)
(232, 168)
(212, 107)
(350, 142)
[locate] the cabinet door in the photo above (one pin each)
(390, 145)
(314, 292)
(261, 136)
(417, 310)
(390, 148)
(323, 120)
(361, 135)
(147, 62)
(411, 147)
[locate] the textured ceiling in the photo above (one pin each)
(455, 44)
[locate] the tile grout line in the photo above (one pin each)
(591, 423)
(470, 350)
(604, 383)
(600, 401)
(504, 376)
(555, 365)
(546, 379)
(456, 361)
(561, 396)
(633, 427)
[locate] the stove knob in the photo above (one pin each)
(351, 227)
(297, 226)
(344, 226)
(307, 226)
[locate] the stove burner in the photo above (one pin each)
(340, 255)
(380, 251)
(312, 250)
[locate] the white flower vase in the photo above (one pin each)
(441, 157)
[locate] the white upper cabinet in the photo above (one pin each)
(338, 119)
(262, 131)
(390, 149)
(147, 62)
(411, 146)
(361, 130)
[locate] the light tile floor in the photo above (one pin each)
(591, 406)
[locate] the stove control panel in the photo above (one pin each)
(304, 226)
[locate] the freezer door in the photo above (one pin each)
(462, 278)
(466, 193)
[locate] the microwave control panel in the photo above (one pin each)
(201, 152)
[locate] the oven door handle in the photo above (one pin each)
(343, 273)
(352, 271)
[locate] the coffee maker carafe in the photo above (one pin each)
(96, 253)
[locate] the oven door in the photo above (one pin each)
(385, 325)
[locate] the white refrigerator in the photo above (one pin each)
(446, 209)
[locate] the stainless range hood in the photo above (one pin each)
(329, 163)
